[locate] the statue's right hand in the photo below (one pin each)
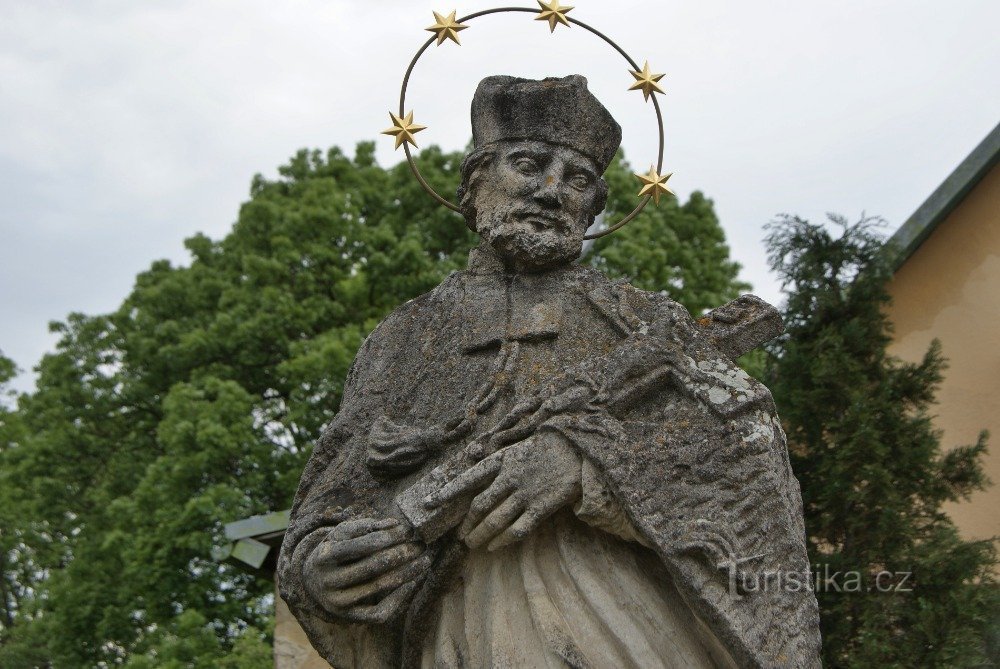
(366, 569)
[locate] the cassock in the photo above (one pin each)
(688, 531)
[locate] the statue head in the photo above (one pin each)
(532, 185)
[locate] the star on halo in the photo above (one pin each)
(553, 13)
(446, 27)
(646, 81)
(403, 129)
(654, 185)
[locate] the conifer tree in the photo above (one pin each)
(874, 475)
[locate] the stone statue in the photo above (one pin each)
(535, 466)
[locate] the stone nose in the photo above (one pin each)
(549, 192)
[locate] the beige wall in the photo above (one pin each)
(292, 649)
(950, 289)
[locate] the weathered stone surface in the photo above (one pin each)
(534, 466)
(292, 649)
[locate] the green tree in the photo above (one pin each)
(872, 470)
(195, 403)
(677, 248)
(15, 575)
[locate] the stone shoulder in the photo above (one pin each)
(435, 307)
(421, 310)
(402, 329)
(636, 305)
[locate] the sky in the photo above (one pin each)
(126, 127)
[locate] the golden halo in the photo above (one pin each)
(447, 27)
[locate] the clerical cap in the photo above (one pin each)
(558, 110)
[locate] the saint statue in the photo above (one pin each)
(534, 466)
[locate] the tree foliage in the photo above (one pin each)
(196, 401)
(873, 473)
(677, 248)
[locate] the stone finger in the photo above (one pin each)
(484, 503)
(359, 526)
(397, 454)
(363, 546)
(397, 442)
(410, 571)
(373, 565)
(474, 478)
(498, 520)
(521, 528)
(386, 609)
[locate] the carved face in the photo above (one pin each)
(535, 202)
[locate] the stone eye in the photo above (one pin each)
(526, 165)
(579, 181)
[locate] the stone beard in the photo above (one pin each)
(533, 466)
(529, 218)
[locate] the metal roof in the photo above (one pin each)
(948, 195)
(254, 541)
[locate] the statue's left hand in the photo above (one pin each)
(521, 486)
(366, 569)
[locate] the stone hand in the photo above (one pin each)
(366, 569)
(521, 485)
(395, 449)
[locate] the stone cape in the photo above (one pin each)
(694, 456)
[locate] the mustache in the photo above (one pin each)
(555, 218)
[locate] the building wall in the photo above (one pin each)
(292, 649)
(950, 289)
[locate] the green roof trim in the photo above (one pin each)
(253, 541)
(251, 552)
(254, 526)
(948, 195)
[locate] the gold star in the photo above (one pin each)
(403, 129)
(552, 13)
(446, 28)
(654, 184)
(646, 81)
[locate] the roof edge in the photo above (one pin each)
(946, 197)
(250, 541)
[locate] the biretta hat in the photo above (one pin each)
(558, 110)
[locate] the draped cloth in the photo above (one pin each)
(686, 486)
(568, 595)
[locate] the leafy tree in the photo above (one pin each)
(195, 403)
(191, 644)
(14, 564)
(872, 470)
(676, 248)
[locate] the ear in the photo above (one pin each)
(600, 197)
(472, 172)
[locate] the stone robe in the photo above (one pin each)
(686, 485)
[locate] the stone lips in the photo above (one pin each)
(558, 110)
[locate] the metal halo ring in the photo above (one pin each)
(427, 187)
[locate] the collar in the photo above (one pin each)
(504, 306)
(483, 260)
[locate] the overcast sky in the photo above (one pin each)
(126, 127)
